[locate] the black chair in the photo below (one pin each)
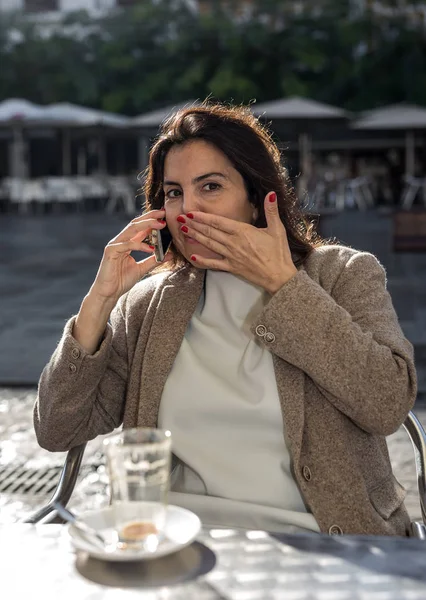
(418, 438)
(64, 489)
(69, 474)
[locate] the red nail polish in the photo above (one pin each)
(181, 219)
(162, 221)
(272, 197)
(184, 228)
(152, 247)
(193, 258)
(190, 215)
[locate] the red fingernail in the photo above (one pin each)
(193, 258)
(181, 219)
(152, 247)
(272, 197)
(162, 221)
(190, 215)
(184, 228)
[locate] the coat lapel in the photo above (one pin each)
(179, 298)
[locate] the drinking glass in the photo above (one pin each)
(139, 472)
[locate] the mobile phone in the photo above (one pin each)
(161, 240)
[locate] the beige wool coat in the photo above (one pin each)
(345, 375)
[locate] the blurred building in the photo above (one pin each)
(51, 9)
(57, 8)
(413, 10)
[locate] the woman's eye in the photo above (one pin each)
(216, 186)
(170, 194)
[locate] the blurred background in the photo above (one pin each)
(84, 87)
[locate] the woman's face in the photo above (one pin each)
(198, 176)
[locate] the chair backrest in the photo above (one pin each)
(64, 489)
(418, 438)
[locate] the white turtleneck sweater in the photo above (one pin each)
(221, 404)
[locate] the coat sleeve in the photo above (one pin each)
(81, 395)
(349, 343)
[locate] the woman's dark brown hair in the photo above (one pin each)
(249, 146)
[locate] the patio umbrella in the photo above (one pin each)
(15, 114)
(20, 114)
(16, 109)
(298, 108)
(74, 115)
(402, 117)
(149, 123)
(300, 111)
(154, 118)
(71, 116)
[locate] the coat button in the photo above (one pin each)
(75, 353)
(270, 337)
(306, 472)
(72, 368)
(335, 530)
(261, 330)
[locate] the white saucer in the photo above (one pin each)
(182, 527)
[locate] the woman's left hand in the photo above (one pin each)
(261, 256)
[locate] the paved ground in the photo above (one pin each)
(18, 445)
(47, 264)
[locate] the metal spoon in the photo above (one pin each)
(91, 535)
(96, 538)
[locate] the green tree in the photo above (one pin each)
(159, 53)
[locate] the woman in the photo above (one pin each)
(275, 359)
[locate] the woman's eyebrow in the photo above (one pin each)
(197, 179)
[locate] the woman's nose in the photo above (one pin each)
(189, 203)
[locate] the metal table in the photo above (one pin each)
(39, 562)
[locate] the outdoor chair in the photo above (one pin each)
(94, 189)
(33, 195)
(121, 192)
(356, 192)
(69, 474)
(413, 186)
(62, 192)
(12, 188)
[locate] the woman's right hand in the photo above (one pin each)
(119, 271)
